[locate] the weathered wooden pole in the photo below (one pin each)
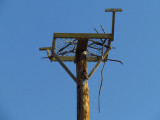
(82, 90)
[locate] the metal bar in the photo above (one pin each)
(65, 67)
(83, 35)
(98, 63)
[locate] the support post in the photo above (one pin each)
(82, 90)
(113, 18)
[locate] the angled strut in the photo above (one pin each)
(65, 67)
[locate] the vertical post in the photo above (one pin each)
(113, 18)
(82, 90)
(113, 22)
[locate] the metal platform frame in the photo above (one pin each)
(82, 37)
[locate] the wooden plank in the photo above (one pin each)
(113, 10)
(45, 48)
(72, 58)
(53, 46)
(83, 35)
(64, 58)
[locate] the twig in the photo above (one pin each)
(116, 61)
(95, 48)
(70, 43)
(98, 33)
(65, 52)
(98, 43)
(100, 87)
(92, 54)
(102, 29)
(96, 30)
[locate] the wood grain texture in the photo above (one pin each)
(83, 35)
(82, 90)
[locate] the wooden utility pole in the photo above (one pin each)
(80, 41)
(82, 90)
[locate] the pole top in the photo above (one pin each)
(113, 10)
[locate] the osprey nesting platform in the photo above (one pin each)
(82, 48)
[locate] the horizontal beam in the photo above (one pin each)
(45, 48)
(83, 35)
(113, 10)
(71, 58)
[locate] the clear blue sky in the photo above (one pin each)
(36, 89)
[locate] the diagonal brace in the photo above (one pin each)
(65, 67)
(98, 63)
